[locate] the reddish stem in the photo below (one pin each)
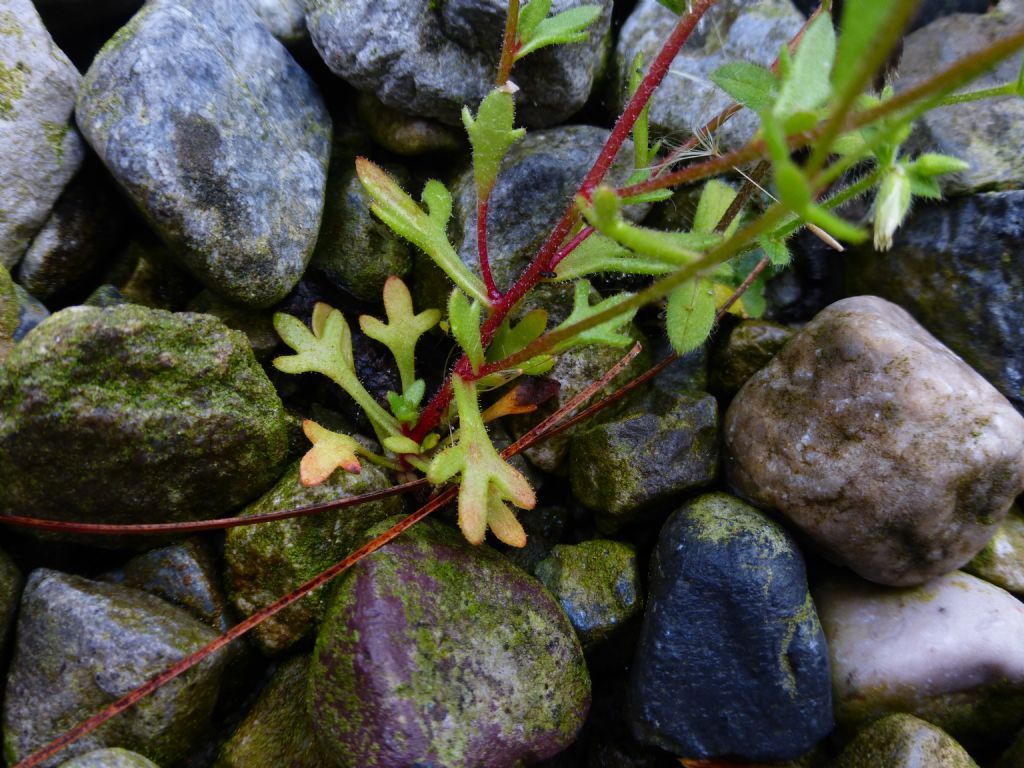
(571, 246)
(481, 246)
(509, 43)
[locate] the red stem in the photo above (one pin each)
(571, 246)
(481, 246)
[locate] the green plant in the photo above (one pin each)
(823, 140)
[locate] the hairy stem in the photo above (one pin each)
(509, 44)
(481, 246)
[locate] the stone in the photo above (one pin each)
(903, 741)
(131, 414)
(545, 526)
(256, 324)
(39, 148)
(927, 11)
(266, 561)
(219, 138)
(431, 59)
(110, 758)
(1013, 757)
(959, 270)
(276, 731)
(81, 645)
(437, 652)
(1001, 562)
(11, 583)
(405, 134)
(653, 451)
(597, 583)
(152, 279)
(731, 660)
(748, 348)
(286, 19)
(31, 312)
(946, 652)
(732, 30)
(10, 311)
(987, 135)
(891, 454)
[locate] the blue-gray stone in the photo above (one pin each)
(31, 312)
(220, 139)
(731, 660)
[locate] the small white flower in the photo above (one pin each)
(891, 206)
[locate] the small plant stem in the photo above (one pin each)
(571, 246)
(481, 245)
(509, 44)
(743, 196)
(1009, 89)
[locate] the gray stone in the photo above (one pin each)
(958, 268)
(286, 19)
(903, 741)
(130, 414)
(82, 645)
(277, 730)
(749, 347)
(266, 561)
(405, 134)
(731, 661)
(989, 134)
(748, 30)
(9, 312)
(110, 758)
(256, 324)
(39, 149)
(429, 58)
(1001, 562)
(31, 312)
(879, 443)
(219, 138)
(656, 449)
(597, 583)
(437, 652)
(947, 652)
(927, 10)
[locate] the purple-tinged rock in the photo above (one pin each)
(434, 652)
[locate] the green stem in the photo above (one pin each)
(1009, 89)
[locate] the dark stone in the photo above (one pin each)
(11, 583)
(749, 347)
(732, 660)
(405, 134)
(31, 312)
(927, 12)
(958, 268)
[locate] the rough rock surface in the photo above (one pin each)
(947, 652)
(81, 645)
(405, 134)
(286, 19)
(435, 652)
(11, 583)
(903, 741)
(879, 443)
(110, 758)
(31, 312)
(266, 561)
(218, 136)
(1001, 562)
(39, 149)
(751, 30)
(749, 347)
(731, 660)
(10, 311)
(141, 414)
(430, 59)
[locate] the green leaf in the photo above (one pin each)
(464, 319)
(403, 329)
(690, 314)
(599, 254)
(861, 24)
(715, 199)
(807, 86)
(751, 85)
(929, 164)
(1019, 86)
(777, 251)
(491, 133)
(427, 231)
(530, 17)
(400, 444)
(676, 6)
(405, 407)
(510, 339)
(565, 27)
(927, 188)
(607, 333)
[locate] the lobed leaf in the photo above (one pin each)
(607, 333)
(491, 133)
(510, 339)
(403, 330)
(330, 451)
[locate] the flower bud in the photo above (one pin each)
(891, 206)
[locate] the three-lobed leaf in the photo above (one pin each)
(403, 329)
(330, 451)
(607, 333)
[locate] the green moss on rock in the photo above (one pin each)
(903, 741)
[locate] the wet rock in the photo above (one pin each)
(881, 445)
(656, 449)
(946, 652)
(81, 645)
(959, 269)
(433, 58)
(731, 660)
(286, 19)
(39, 148)
(985, 134)
(151, 278)
(141, 414)
(31, 312)
(266, 561)
(9, 312)
(597, 583)
(256, 324)
(1001, 562)
(420, 642)
(110, 758)
(405, 134)
(276, 731)
(903, 741)
(11, 583)
(749, 347)
(748, 30)
(545, 526)
(241, 133)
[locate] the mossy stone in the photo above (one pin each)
(749, 348)
(129, 414)
(1001, 562)
(436, 652)
(110, 758)
(8, 313)
(597, 583)
(903, 741)
(266, 561)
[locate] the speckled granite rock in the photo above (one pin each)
(81, 645)
(430, 58)
(881, 445)
(751, 30)
(903, 741)
(141, 414)
(1001, 562)
(266, 561)
(731, 660)
(947, 652)
(218, 136)
(110, 758)
(39, 149)
(420, 642)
